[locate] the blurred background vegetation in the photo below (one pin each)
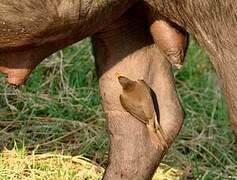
(59, 110)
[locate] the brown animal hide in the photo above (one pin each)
(31, 30)
(214, 24)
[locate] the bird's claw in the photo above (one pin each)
(161, 136)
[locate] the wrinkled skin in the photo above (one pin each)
(31, 30)
(123, 35)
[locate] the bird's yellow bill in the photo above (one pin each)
(117, 74)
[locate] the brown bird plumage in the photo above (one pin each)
(137, 100)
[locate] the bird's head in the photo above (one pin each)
(126, 83)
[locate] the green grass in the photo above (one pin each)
(59, 111)
(59, 107)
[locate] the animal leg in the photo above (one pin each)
(227, 71)
(125, 47)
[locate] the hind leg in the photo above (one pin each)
(125, 47)
(226, 69)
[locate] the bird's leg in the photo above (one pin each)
(160, 133)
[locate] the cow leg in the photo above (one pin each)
(226, 68)
(125, 47)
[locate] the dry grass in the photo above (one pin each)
(17, 164)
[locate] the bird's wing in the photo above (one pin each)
(135, 110)
(154, 101)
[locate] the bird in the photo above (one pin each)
(136, 99)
